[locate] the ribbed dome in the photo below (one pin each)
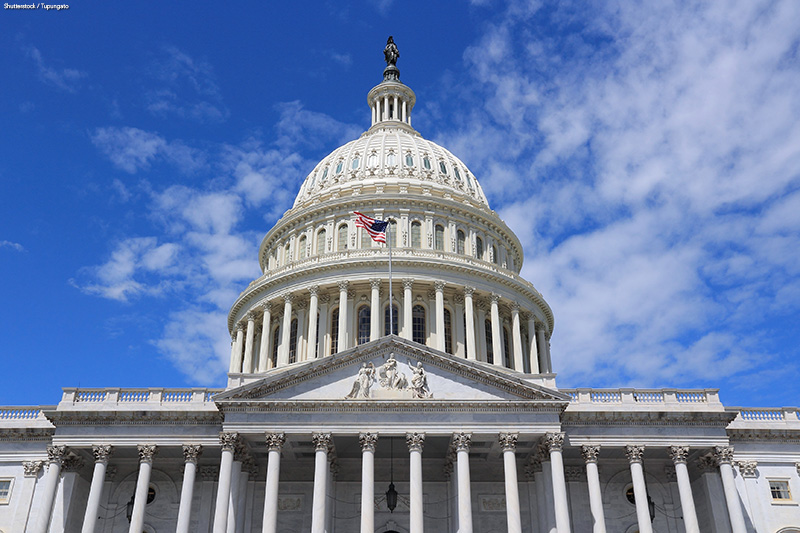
(391, 152)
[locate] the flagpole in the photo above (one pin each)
(391, 305)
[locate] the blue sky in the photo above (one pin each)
(647, 155)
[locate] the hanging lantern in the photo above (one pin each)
(391, 498)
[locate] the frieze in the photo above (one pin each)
(292, 503)
(494, 503)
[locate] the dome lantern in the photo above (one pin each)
(391, 100)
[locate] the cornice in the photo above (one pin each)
(787, 436)
(616, 418)
(26, 434)
(391, 406)
(134, 418)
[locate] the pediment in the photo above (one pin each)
(393, 369)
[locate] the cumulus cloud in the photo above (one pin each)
(66, 79)
(647, 155)
(132, 149)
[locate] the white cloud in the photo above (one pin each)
(13, 245)
(66, 79)
(132, 149)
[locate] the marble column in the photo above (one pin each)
(519, 365)
(275, 442)
(533, 352)
(264, 360)
(232, 365)
(415, 442)
(678, 454)
(25, 494)
(146, 453)
(101, 455)
(233, 500)
(342, 342)
(635, 458)
(368, 442)
(190, 454)
(283, 350)
(322, 441)
(536, 469)
(461, 442)
(300, 345)
(408, 304)
(497, 331)
(440, 340)
(469, 311)
(724, 456)
(247, 365)
(541, 342)
(375, 309)
(555, 443)
(590, 454)
(313, 309)
(236, 360)
(508, 443)
(243, 510)
(323, 335)
(228, 443)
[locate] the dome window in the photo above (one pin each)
(460, 239)
(438, 237)
(324, 174)
(301, 252)
(341, 238)
(487, 329)
(293, 341)
(364, 322)
(418, 324)
(373, 160)
(321, 242)
(416, 234)
(426, 163)
(391, 160)
(442, 167)
(355, 164)
(479, 248)
(409, 160)
(458, 176)
(339, 167)
(448, 332)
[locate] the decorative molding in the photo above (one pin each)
(533, 467)
(462, 441)
(55, 454)
(292, 503)
(275, 441)
(343, 285)
(508, 441)
(492, 503)
(469, 291)
(634, 453)
(590, 453)
(574, 473)
(209, 472)
(368, 441)
(228, 440)
(724, 454)
(707, 462)
(678, 454)
(146, 452)
(31, 468)
(439, 286)
(72, 463)
(669, 473)
(415, 441)
(554, 441)
(322, 442)
(191, 452)
(111, 472)
(748, 468)
(102, 453)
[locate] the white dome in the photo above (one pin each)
(391, 153)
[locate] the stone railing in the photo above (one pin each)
(766, 417)
(649, 398)
(112, 398)
(20, 413)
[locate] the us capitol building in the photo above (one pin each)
(444, 418)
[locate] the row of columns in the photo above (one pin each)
(556, 518)
(538, 347)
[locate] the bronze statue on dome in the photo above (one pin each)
(390, 53)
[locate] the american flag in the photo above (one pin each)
(376, 228)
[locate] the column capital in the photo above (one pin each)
(375, 283)
(55, 454)
(515, 307)
(590, 453)
(408, 283)
(724, 454)
(748, 468)
(101, 452)
(209, 472)
(275, 441)
(415, 441)
(324, 298)
(146, 452)
(508, 441)
(322, 441)
(288, 298)
(678, 454)
(31, 468)
(240, 327)
(72, 463)
(462, 441)
(228, 440)
(707, 462)
(314, 290)
(554, 441)
(343, 285)
(495, 298)
(439, 285)
(634, 452)
(191, 452)
(251, 316)
(469, 291)
(533, 467)
(266, 306)
(368, 441)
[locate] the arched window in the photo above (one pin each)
(335, 331)
(494, 254)
(460, 240)
(418, 324)
(416, 234)
(487, 327)
(341, 238)
(276, 338)
(442, 167)
(391, 233)
(505, 348)
(448, 332)
(366, 240)
(301, 253)
(373, 160)
(409, 160)
(363, 324)
(386, 320)
(479, 248)
(321, 242)
(438, 237)
(426, 163)
(287, 257)
(339, 166)
(293, 341)
(355, 164)
(391, 160)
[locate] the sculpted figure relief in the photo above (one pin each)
(390, 377)
(366, 375)
(419, 381)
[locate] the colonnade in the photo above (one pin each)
(455, 320)
(545, 466)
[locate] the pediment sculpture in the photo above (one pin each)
(390, 379)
